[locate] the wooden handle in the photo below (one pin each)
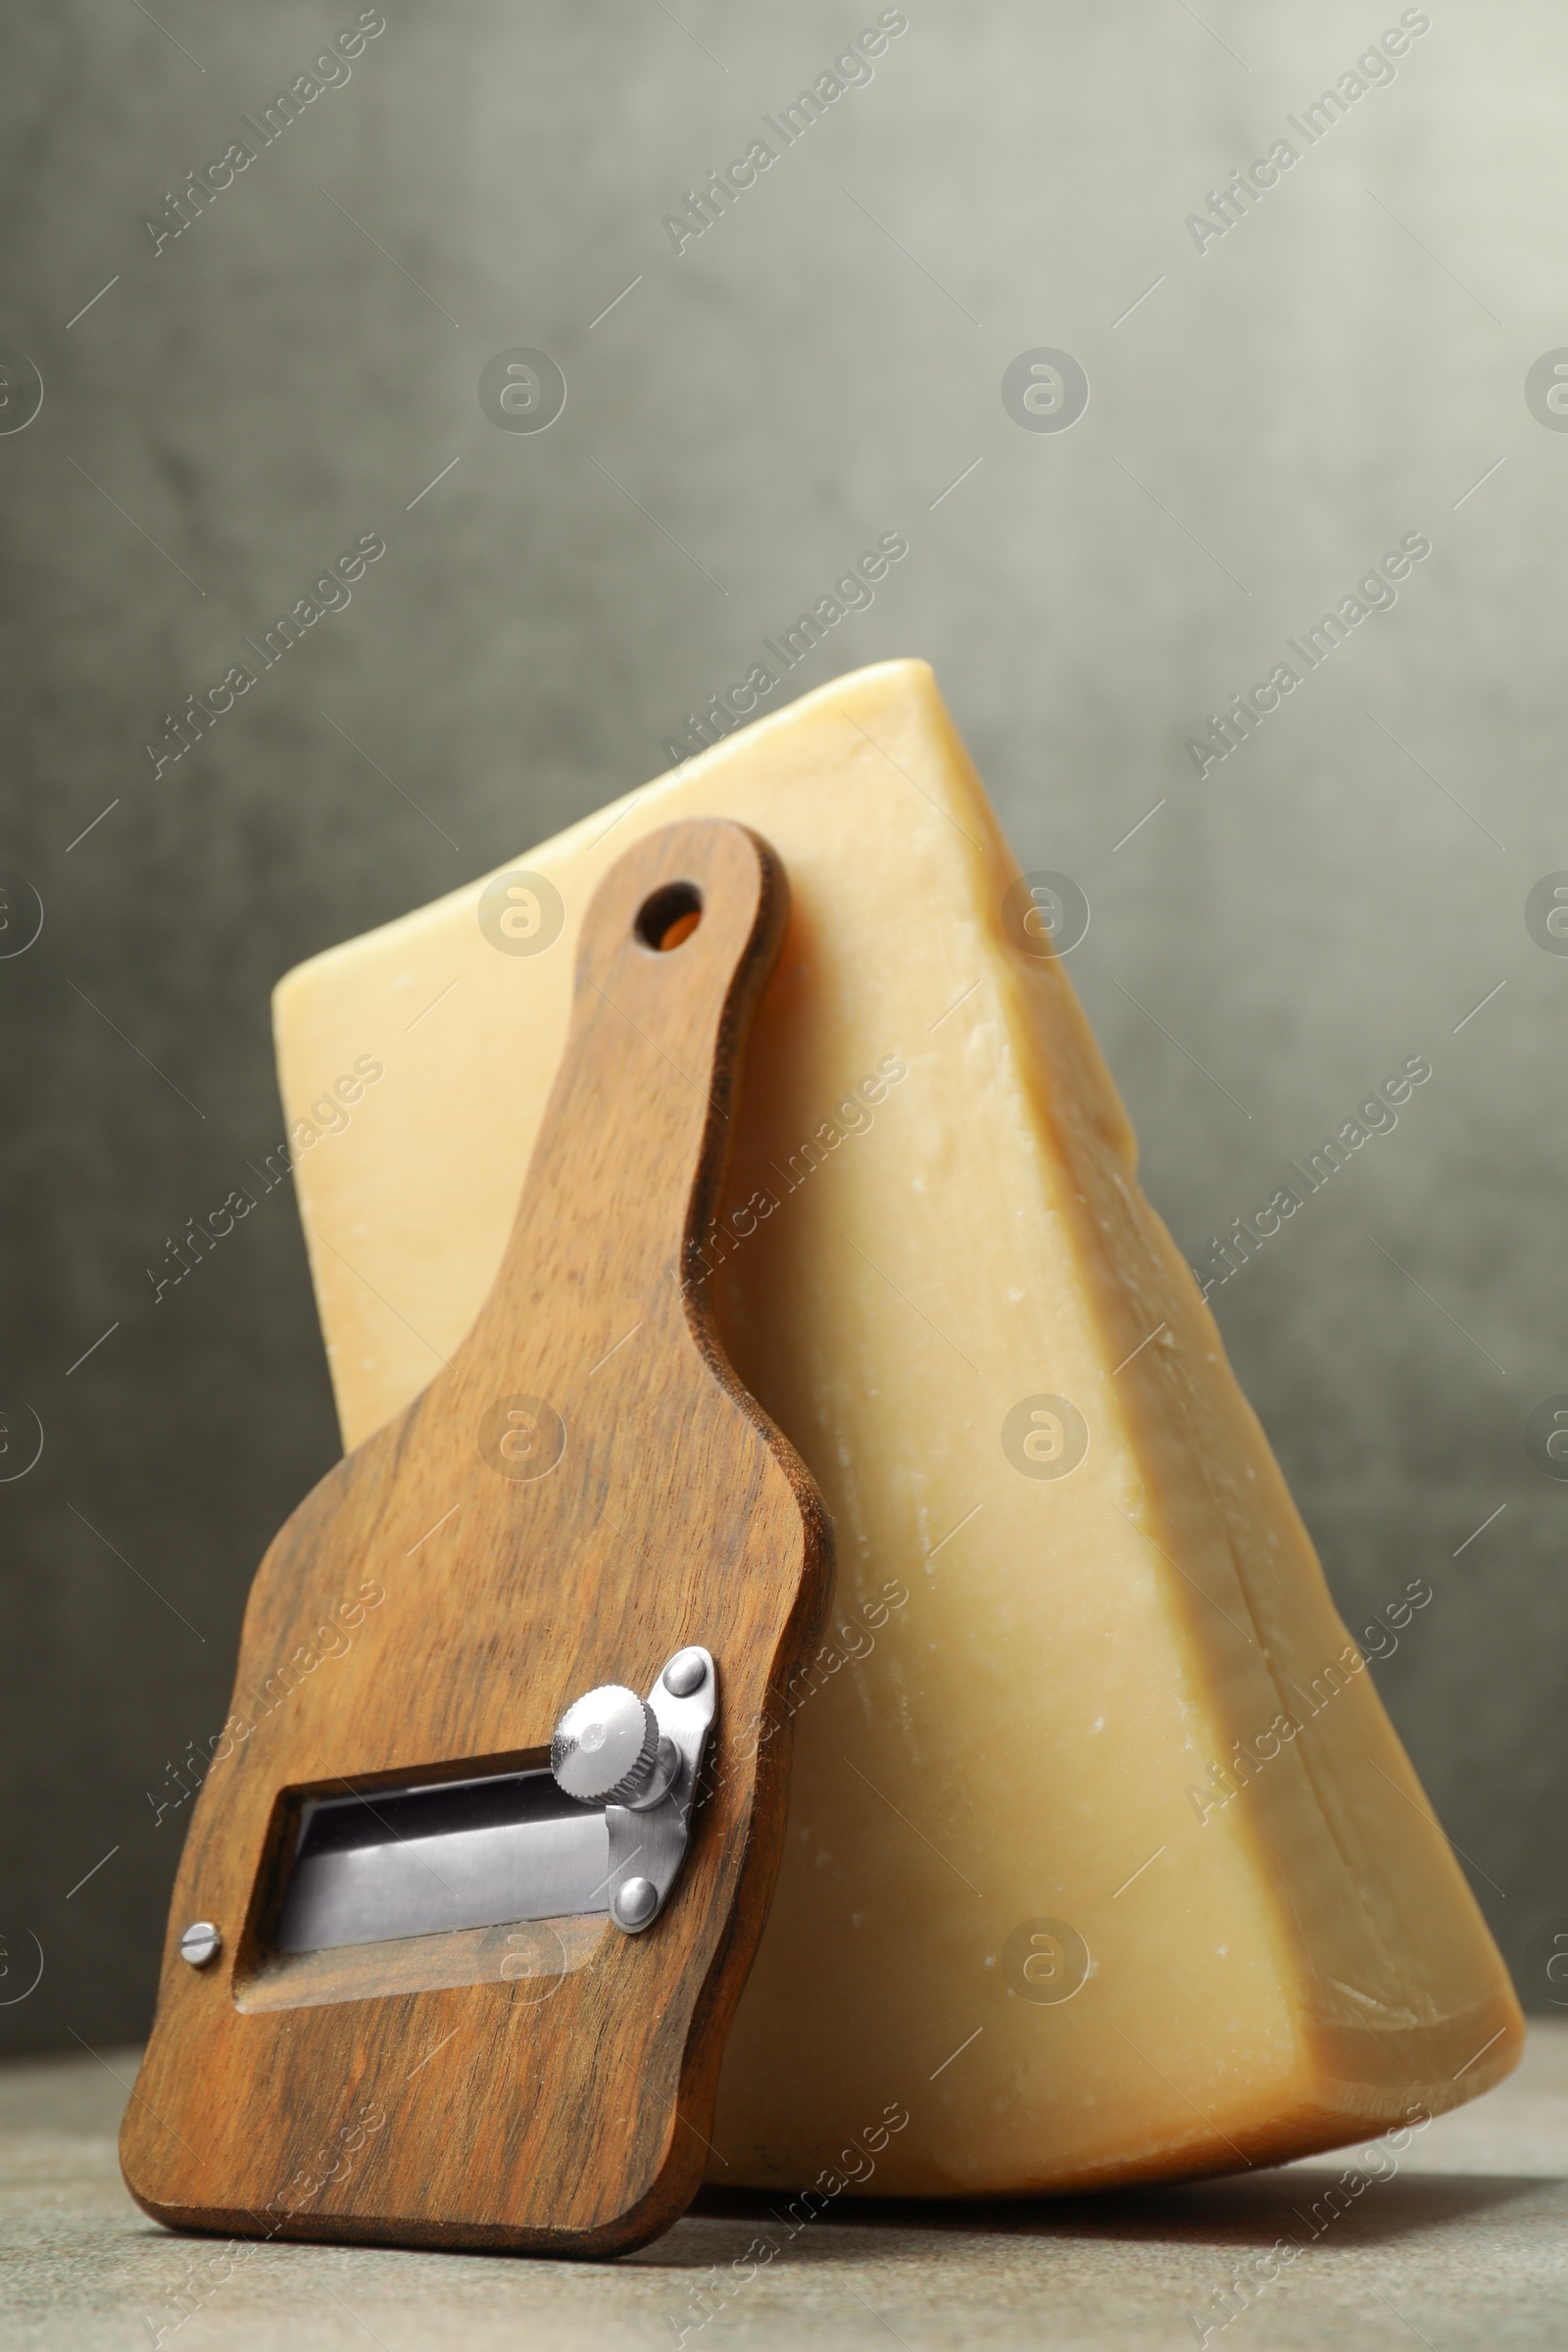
(635, 1137)
(585, 1490)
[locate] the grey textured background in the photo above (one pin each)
(1338, 370)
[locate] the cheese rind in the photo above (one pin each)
(1104, 1862)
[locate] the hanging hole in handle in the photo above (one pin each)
(669, 917)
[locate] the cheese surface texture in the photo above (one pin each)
(1104, 1862)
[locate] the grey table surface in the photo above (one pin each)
(1459, 2239)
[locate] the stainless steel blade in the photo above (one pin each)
(480, 1877)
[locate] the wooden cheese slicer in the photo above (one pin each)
(463, 1916)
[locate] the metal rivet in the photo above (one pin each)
(200, 1942)
(636, 1900)
(686, 1672)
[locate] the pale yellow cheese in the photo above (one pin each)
(1020, 1779)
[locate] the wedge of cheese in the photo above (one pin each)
(1104, 1863)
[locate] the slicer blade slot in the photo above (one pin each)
(413, 1861)
(376, 1866)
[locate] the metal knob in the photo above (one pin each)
(605, 1746)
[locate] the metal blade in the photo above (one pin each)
(358, 1879)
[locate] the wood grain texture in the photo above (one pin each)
(577, 2122)
(540, 1951)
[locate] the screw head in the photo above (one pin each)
(200, 1942)
(606, 1746)
(686, 1672)
(636, 1901)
